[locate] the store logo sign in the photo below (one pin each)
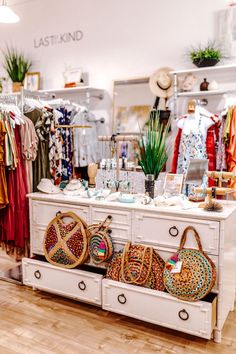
(57, 39)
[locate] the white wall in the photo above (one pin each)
(122, 38)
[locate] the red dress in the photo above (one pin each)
(14, 219)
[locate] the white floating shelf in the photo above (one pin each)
(204, 69)
(205, 93)
(74, 90)
(10, 94)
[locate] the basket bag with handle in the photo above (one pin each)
(65, 244)
(139, 265)
(100, 245)
(196, 275)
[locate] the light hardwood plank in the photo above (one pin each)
(37, 322)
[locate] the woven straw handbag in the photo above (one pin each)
(197, 274)
(65, 244)
(139, 265)
(100, 245)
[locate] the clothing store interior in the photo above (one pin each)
(117, 176)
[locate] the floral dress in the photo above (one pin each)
(192, 146)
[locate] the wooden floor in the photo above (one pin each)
(36, 322)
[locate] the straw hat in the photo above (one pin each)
(46, 186)
(161, 83)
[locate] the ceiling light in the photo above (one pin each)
(7, 15)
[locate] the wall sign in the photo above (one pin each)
(57, 39)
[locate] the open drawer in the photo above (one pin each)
(196, 318)
(78, 284)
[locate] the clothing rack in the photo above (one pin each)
(117, 138)
(73, 126)
(9, 98)
(31, 94)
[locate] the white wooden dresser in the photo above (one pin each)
(155, 226)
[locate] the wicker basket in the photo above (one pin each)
(65, 244)
(198, 273)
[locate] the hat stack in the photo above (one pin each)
(46, 186)
(74, 187)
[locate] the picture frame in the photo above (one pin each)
(32, 81)
(196, 171)
(173, 184)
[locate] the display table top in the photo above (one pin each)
(194, 212)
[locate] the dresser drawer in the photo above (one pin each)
(44, 212)
(166, 231)
(196, 318)
(36, 239)
(73, 283)
(121, 221)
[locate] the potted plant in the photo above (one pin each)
(151, 151)
(209, 55)
(16, 66)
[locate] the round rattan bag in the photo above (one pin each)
(197, 274)
(65, 244)
(139, 265)
(100, 245)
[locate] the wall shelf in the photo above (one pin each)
(76, 90)
(205, 93)
(63, 91)
(204, 69)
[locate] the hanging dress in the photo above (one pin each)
(14, 219)
(29, 147)
(3, 182)
(192, 146)
(42, 121)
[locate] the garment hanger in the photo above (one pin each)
(12, 108)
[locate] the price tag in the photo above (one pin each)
(177, 268)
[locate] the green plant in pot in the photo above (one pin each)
(209, 55)
(16, 65)
(151, 151)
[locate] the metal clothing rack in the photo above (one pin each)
(117, 138)
(9, 98)
(31, 94)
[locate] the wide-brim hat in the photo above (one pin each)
(46, 186)
(161, 83)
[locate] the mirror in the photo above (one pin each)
(132, 101)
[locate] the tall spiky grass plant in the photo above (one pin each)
(152, 150)
(15, 64)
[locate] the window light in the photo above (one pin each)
(7, 15)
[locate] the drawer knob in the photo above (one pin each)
(122, 299)
(173, 231)
(82, 285)
(37, 274)
(183, 315)
(58, 213)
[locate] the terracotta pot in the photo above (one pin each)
(16, 86)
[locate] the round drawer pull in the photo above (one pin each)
(122, 299)
(173, 231)
(82, 285)
(37, 274)
(183, 315)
